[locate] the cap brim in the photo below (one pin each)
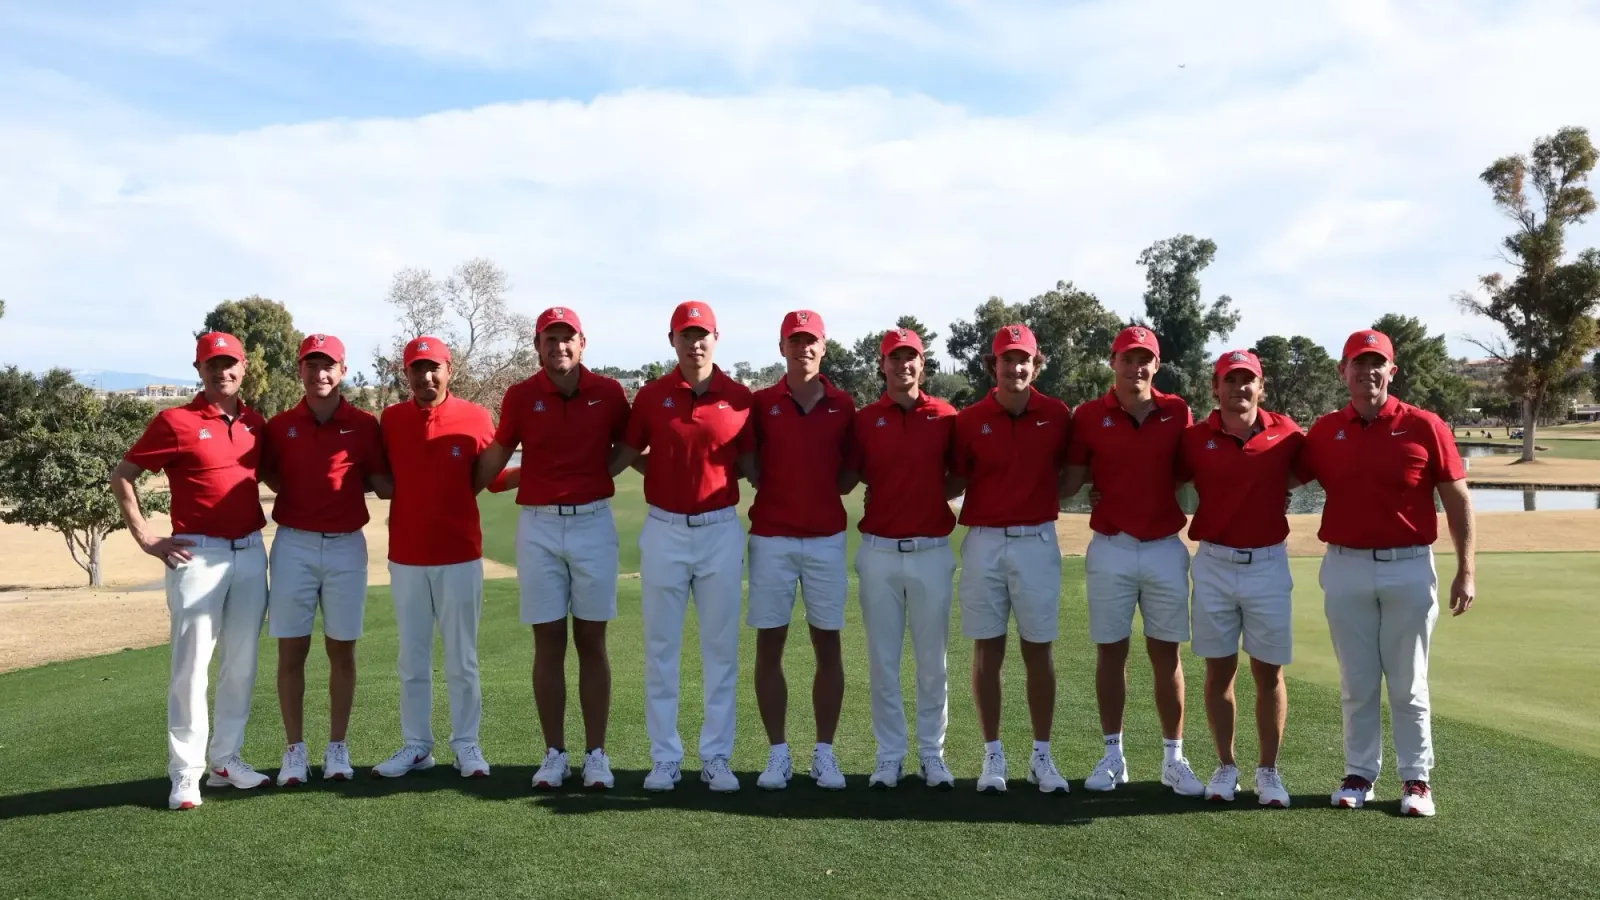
(1237, 367)
(1007, 348)
(804, 329)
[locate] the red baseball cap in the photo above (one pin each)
(428, 348)
(1136, 336)
(802, 321)
(1369, 341)
(693, 314)
(1238, 359)
(1015, 337)
(895, 338)
(558, 315)
(326, 344)
(213, 344)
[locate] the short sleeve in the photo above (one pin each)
(157, 448)
(1304, 467)
(509, 432)
(621, 414)
(1078, 449)
(960, 458)
(746, 441)
(485, 435)
(1447, 464)
(1064, 446)
(373, 459)
(1180, 460)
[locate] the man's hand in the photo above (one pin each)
(169, 550)
(1462, 592)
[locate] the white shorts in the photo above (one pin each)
(1243, 592)
(308, 570)
(567, 563)
(1011, 571)
(1124, 573)
(816, 565)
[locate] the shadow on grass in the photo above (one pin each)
(911, 801)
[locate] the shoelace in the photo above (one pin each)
(1044, 764)
(1184, 771)
(1226, 776)
(718, 767)
(828, 764)
(1269, 778)
(888, 766)
(471, 753)
(596, 760)
(186, 783)
(663, 768)
(297, 755)
(1355, 783)
(1107, 765)
(934, 765)
(1415, 789)
(235, 765)
(339, 754)
(994, 764)
(778, 760)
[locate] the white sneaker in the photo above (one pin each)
(1416, 799)
(1354, 793)
(336, 762)
(1270, 790)
(936, 774)
(597, 771)
(410, 758)
(185, 792)
(780, 768)
(664, 776)
(470, 762)
(1109, 772)
(554, 771)
(295, 768)
(235, 771)
(1042, 771)
(993, 779)
(1224, 782)
(719, 776)
(825, 771)
(887, 774)
(1177, 774)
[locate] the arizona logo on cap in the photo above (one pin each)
(694, 312)
(320, 339)
(423, 345)
(804, 316)
(1139, 333)
(559, 312)
(1372, 339)
(1236, 356)
(903, 333)
(1016, 333)
(220, 342)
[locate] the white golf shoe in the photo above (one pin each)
(295, 768)
(1270, 790)
(1223, 785)
(185, 792)
(887, 775)
(936, 774)
(780, 768)
(719, 775)
(825, 771)
(597, 771)
(1043, 772)
(1416, 799)
(555, 770)
(1354, 793)
(236, 772)
(664, 776)
(1109, 772)
(470, 762)
(993, 779)
(410, 758)
(1178, 775)
(336, 762)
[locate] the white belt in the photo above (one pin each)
(1241, 557)
(325, 535)
(1387, 554)
(252, 539)
(1127, 540)
(568, 509)
(904, 545)
(1011, 531)
(697, 519)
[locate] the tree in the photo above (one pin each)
(54, 468)
(744, 372)
(1425, 377)
(1180, 318)
(272, 377)
(848, 373)
(771, 374)
(1546, 310)
(951, 386)
(1074, 333)
(23, 392)
(1300, 379)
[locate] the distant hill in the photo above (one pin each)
(126, 381)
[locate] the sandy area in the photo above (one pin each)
(1549, 470)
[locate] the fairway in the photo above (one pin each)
(86, 811)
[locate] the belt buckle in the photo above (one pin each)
(907, 545)
(1249, 557)
(1377, 555)
(328, 535)
(1016, 531)
(238, 543)
(695, 520)
(566, 510)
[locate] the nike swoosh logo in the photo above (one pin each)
(1166, 418)
(830, 409)
(1396, 433)
(934, 416)
(347, 431)
(593, 402)
(1042, 422)
(722, 406)
(1273, 437)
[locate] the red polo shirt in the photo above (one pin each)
(1134, 466)
(903, 456)
(801, 456)
(694, 441)
(1380, 476)
(433, 520)
(1242, 486)
(1012, 463)
(566, 441)
(322, 468)
(211, 467)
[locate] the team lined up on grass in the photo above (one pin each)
(1014, 457)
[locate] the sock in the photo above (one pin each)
(1174, 749)
(1041, 747)
(559, 749)
(336, 743)
(782, 748)
(300, 744)
(1114, 744)
(824, 748)
(595, 750)
(992, 747)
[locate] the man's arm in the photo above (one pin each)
(750, 468)
(623, 456)
(381, 484)
(954, 486)
(169, 550)
(493, 458)
(1073, 478)
(1463, 533)
(848, 479)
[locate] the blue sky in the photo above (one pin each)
(865, 159)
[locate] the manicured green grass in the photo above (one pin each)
(82, 803)
(1559, 448)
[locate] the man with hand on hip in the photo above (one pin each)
(216, 579)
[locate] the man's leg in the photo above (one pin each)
(243, 613)
(594, 680)
(592, 564)
(827, 688)
(414, 605)
(292, 653)
(774, 576)
(1350, 602)
(460, 611)
(985, 617)
(718, 591)
(1111, 572)
(195, 591)
(665, 569)
(825, 588)
(1272, 710)
(341, 686)
(1221, 707)
(550, 680)
(1041, 686)
(772, 688)
(292, 611)
(344, 605)
(1168, 672)
(988, 656)
(1408, 601)
(929, 597)
(883, 613)
(545, 585)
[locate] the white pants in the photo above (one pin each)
(452, 596)
(219, 596)
(1124, 573)
(1243, 593)
(901, 582)
(567, 563)
(1006, 571)
(815, 565)
(1381, 615)
(309, 570)
(678, 560)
